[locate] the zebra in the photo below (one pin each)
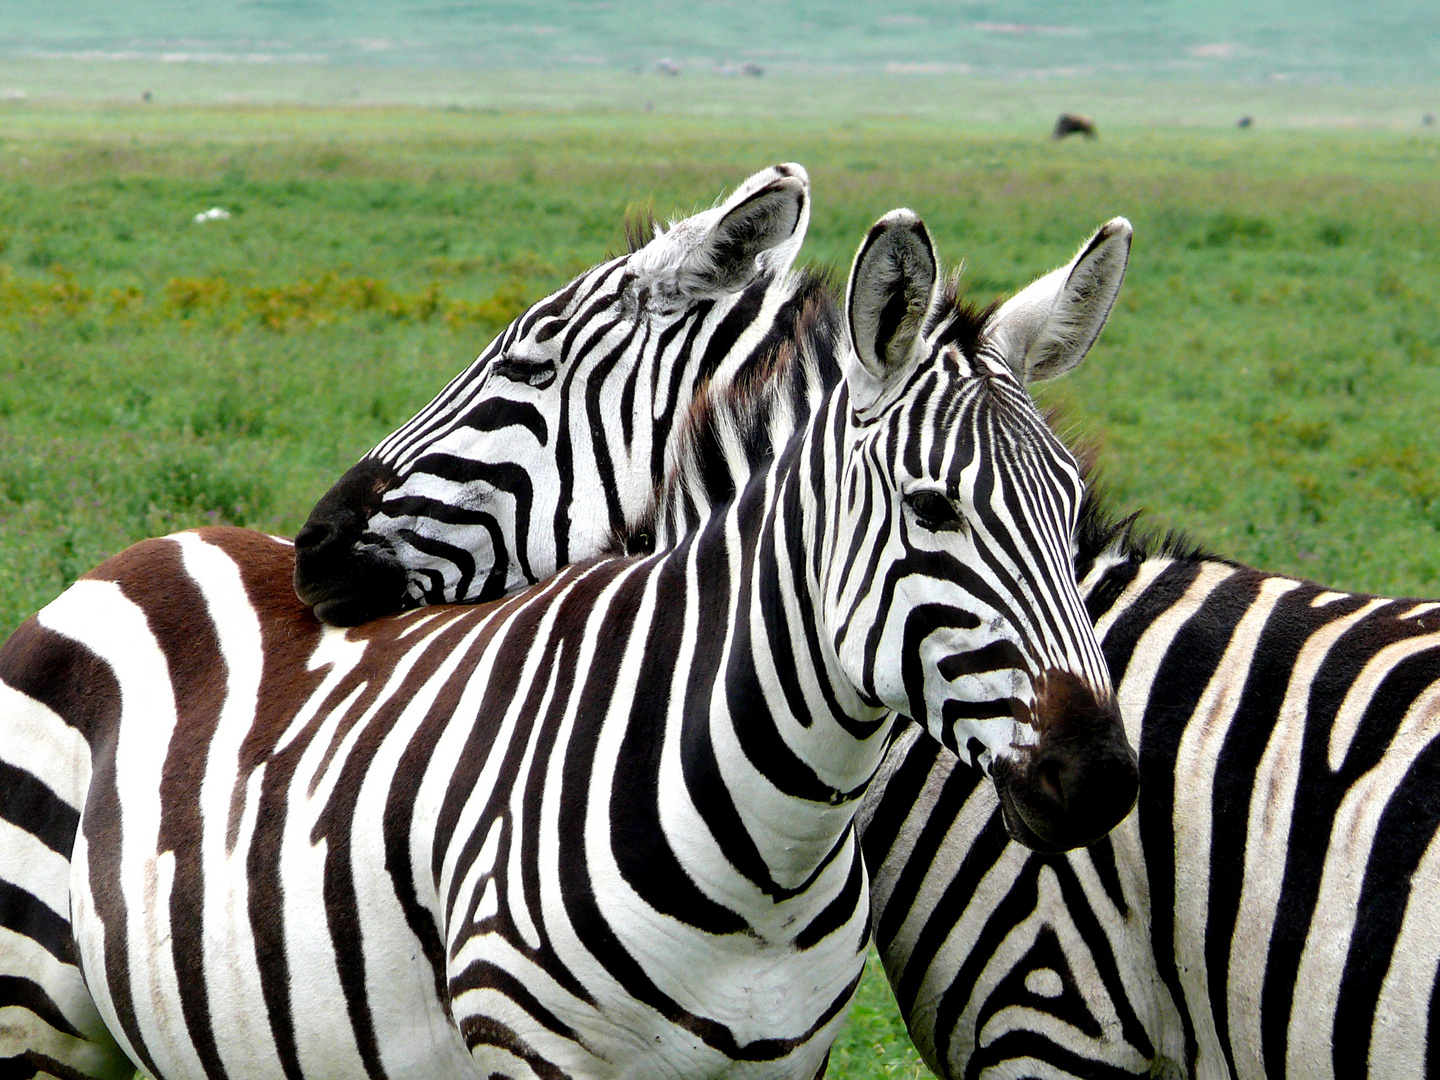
(599, 827)
(1010, 963)
(1266, 911)
(553, 441)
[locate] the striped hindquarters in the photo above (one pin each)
(57, 700)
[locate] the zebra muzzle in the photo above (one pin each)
(345, 579)
(1079, 780)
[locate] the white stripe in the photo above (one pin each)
(39, 741)
(1196, 765)
(98, 615)
(43, 873)
(1400, 1033)
(1154, 645)
(1362, 691)
(242, 1034)
(1267, 838)
(1332, 924)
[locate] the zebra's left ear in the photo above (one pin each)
(1047, 328)
(891, 291)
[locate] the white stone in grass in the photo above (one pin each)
(215, 213)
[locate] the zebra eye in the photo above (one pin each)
(537, 373)
(934, 511)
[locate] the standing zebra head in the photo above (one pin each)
(954, 600)
(552, 442)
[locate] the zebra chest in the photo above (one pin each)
(564, 945)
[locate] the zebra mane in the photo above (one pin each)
(1101, 531)
(732, 430)
(958, 320)
(640, 227)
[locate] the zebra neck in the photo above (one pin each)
(741, 424)
(790, 735)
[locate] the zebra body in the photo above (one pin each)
(553, 442)
(961, 911)
(442, 921)
(603, 827)
(1266, 911)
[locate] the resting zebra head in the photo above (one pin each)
(948, 577)
(553, 441)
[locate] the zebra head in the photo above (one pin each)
(951, 585)
(552, 442)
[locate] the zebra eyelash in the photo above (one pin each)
(536, 373)
(934, 511)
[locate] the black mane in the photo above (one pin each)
(1101, 531)
(960, 320)
(640, 227)
(771, 383)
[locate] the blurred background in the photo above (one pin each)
(242, 241)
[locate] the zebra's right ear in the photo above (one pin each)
(891, 292)
(759, 228)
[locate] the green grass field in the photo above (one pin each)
(1270, 380)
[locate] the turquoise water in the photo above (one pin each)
(1307, 41)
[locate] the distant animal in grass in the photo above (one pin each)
(1074, 123)
(1245, 122)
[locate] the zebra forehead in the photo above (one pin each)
(958, 414)
(541, 318)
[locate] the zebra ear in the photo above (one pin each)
(1047, 328)
(759, 228)
(891, 292)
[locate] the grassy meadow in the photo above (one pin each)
(1270, 380)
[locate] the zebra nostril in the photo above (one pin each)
(316, 535)
(1050, 781)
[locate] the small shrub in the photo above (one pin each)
(1231, 228)
(191, 296)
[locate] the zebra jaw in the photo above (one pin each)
(346, 580)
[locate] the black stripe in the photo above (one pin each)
(1405, 831)
(642, 851)
(841, 909)
(895, 799)
(30, 804)
(1125, 632)
(1111, 586)
(31, 917)
(21, 992)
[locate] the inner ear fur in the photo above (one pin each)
(890, 293)
(1047, 328)
(760, 228)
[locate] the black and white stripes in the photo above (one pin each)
(1267, 909)
(553, 441)
(601, 827)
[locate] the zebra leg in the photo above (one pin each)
(49, 1025)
